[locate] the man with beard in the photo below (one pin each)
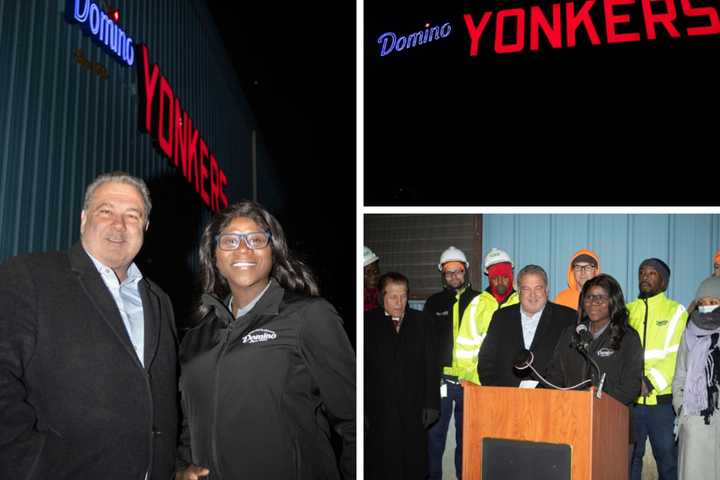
(444, 311)
(476, 319)
(660, 322)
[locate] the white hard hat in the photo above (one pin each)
(495, 255)
(452, 254)
(369, 257)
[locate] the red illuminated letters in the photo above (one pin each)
(175, 138)
(582, 17)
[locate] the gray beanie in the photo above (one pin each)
(659, 266)
(710, 287)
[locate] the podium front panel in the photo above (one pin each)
(508, 459)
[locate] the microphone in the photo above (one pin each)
(524, 360)
(585, 336)
(582, 344)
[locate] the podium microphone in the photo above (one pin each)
(524, 360)
(585, 337)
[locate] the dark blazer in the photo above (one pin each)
(75, 401)
(401, 380)
(505, 339)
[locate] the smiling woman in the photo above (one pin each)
(268, 371)
(615, 347)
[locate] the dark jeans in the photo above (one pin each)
(655, 421)
(438, 433)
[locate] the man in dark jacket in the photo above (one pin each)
(88, 385)
(444, 311)
(534, 324)
(401, 385)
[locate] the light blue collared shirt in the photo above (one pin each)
(127, 298)
(529, 325)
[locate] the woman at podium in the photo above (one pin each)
(601, 347)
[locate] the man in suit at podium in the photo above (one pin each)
(535, 324)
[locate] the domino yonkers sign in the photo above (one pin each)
(159, 110)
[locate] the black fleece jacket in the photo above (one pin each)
(260, 393)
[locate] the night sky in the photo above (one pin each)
(296, 65)
(612, 124)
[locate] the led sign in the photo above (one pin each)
(102, 29)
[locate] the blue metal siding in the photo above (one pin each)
(61, 125)
(685, 242)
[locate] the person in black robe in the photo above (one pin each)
(402, 398)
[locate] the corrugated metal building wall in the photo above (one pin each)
(412, 244)
(62, 124)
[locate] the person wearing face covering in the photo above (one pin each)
(476, 319)
(696, 385)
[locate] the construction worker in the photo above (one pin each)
(584, 265)
(660, 322)
(476, 319)
(445, 310)
(371, 274)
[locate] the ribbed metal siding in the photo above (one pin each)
(61, 125)
(412, 245)
(685, 242)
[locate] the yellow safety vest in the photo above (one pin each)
(474, 327)
(660, 322)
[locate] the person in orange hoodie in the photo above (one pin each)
(716, 264)
(585, 264)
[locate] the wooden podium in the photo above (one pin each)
(596, 429)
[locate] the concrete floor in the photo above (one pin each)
(649, 467)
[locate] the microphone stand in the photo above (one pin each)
(526, 360)
(582, 348)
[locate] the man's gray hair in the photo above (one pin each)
(120, 177)
(535, 270)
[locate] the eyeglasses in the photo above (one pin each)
(584, 268)
(453, 271)
(253, 240)
(597, 299)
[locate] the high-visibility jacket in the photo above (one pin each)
(660, 322)
(445, 311)
(473, 328)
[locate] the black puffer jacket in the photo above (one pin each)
(260, 393)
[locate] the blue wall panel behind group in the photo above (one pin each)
(686, 242)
